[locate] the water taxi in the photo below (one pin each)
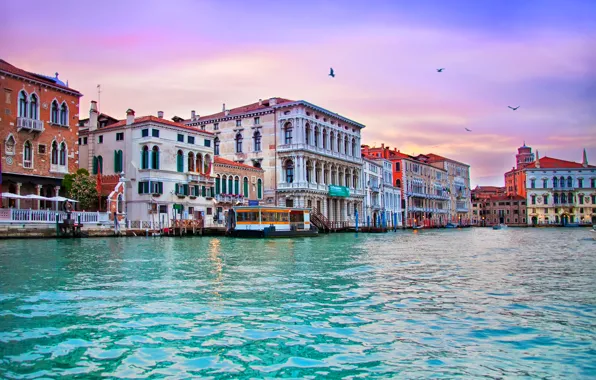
(270, 222)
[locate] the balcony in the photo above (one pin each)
(62, 169)
(229, 198)
(33, 125)
(28, 164)
(202, 178)
(318, 150)
(374, 188)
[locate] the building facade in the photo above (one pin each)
(515, 179)
(166, 167)
(390, 196)
(38, 135)
(458, 183)
(310, 156)
(502, 209)
(372, 185)
(561, 192)
(480, 195)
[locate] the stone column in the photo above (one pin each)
(38, 188)
(18, 202)
(57, 193)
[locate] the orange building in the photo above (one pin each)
(515, 179)
(38, 134)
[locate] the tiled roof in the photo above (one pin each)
(241, 110)
(223, 161)
(555, 163)
(436, 158)
(155, 119)
(506, 198)
(489, 188)
(8, 68)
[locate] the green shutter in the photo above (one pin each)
(204, 193)
(223, 186)
(236, 186)
(115, 161)
(180, 163)
(140, 187)
(259, 189)
(186, 192)
(94, 165)
(212, 191)
(197, 191)
(246, 187)
(231, 185)
(160, 187)
(176, 189)
(216, 185)
(146, 187)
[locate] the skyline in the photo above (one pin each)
(198, 55)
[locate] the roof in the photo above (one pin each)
(100, 116)
(489, 188)
(254, 107)
(54, 82)
(436, 158)
(555, 163)
(506, 198)
(155, 119)
(223, 161)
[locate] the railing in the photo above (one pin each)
(29, 124)
(199, 177)
(229, 198)
(9, 215)
(59, 169)
(319, 220)
(374, 188)
(27, 164)
(319, 150)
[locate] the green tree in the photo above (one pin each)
(69, 178)
(83, 189)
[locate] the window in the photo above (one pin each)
(555, 182)
(257, 120)
(245, 187)
(41, 149)
(7, 96)
(288, 133)
(593, 183)
(215, 126)
(231, 184)
(64, 114)
(238, 143)
(354, 148)
(63, 154)
(257, 141)
(150, 187)
(332, 141)
(239, 123)
(191, 162)
(145, 157)
(569, 182)
(155, 132)
(100, 139)
(593, 199)
(545, 196)
(33, 103)
(533, 183)
(23, 104)
(562, 181)
(533, 199)
(236, 185)
(259, 189)
(54, 153)
(99, 165)
(180, 161)
(155, 158)
(119, 136)
(180, 137)
(190, 139)
(289, 171)
(307, 134)
(317, 136)
(580, 198)
(84, 140)
(580, 182)
(397, 183)
(544, 183)
(144, 133)
(207, 143)
(27, 155)
(118, 161)
(216, 146)
(556, 198)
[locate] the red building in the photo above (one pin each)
(515, 179)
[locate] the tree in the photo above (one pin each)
(69, 178)
(83, 189)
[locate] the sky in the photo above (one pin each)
(181, 55)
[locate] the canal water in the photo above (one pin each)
(475, 303)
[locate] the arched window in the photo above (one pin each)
(223, 184)
(64, 114)
(545, 197)
(33, 103)
(316, 136)
(180, 161)
(245, 186)
(120, 204)
(332, 141)
(27, 155)
(54, 153)
(63, 154)
(308, 171)
(533, 183)
(191, 162)
(99, 165)
(569, 182)
(236, 185)
(231, 184)
(397, 183)
(545, 183)
(55, 112)
(307, 134)
(354, 151)
(238, 143)
(257, 141)
(207, 164)
(533, 197)
(288, 133)
(10, 144)
(570, 198)
(155, 157)
(555, 182)
(346, 146)
(289, 171)
(94, 170)
(562, 182)
(325, 139)
(145, 157)
(216, 146)
(397, 167)
(199, 163)
(556, 198)
(23, 104)
(563, 198)
(217, 184)
(259, 189)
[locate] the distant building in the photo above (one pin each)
(515, 179)
(480, 195)
(502, 209)
(38, 135)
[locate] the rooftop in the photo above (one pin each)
(436, 158)
(155, 119)
(555, 163)
(253, 107)
(223, 161)
(54, 82)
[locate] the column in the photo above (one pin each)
(38, 188)
(19, 193)
(57, 193)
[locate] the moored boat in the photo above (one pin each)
(270, 222)
(417, 227)
(499, 226)
(451, 225)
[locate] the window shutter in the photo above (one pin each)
(146, 186)
(140, 187)
(212, 191)
(160, 187)
(176, 189)
(186, 191)
(94, 165)
(197, 193)
(204, 191)
(156, 164)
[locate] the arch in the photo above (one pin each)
(287, 133)
(309, 169)
(145, 157)
(256, 164)
(259, 189)
(191, 161)
(245, 186)
(556, 198)
(354, 147)
(238, 142)
(99, 165)
(216, 146)
(236, 185)
(570, 198)
(118, 161)
(207, 164)
(332, 141)
(307, 134)
(64, 114)
(55, 112)
(23, 102)
(224, 184)
(555, 182)
(316, 142)
(217, 184)
(569, 182)
(256, 146)
(346, 146)
(28, 154)
(289, 171)
(231, 184)
(398, 183)
(180, 161)
(199, 163)
(54, 152)
(33, 106)
(562, 181)
(63, 154)
(563, 198)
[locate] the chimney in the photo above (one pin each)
(260, 102)
(193, 114)
(93, 114)
(160, 114)
(130, 116)
(537, 159)
(223, 108)
(226, 112)
(272, 101)
(382, 146)
(585, 160)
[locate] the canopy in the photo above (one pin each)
(11, 195)
(37, 197)
(60, 199)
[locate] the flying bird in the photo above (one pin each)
(440, 70)
(331, 73)
(469, 130)
(513, 108)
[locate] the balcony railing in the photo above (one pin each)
(374, 188)
(229, 198)
(29, 124)
(319, 150)
(196, 177)
(28, 164)
(8, 215)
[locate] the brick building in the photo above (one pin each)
(515, 179)
(38, 134)
(504, 209)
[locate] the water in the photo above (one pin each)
(476, 303)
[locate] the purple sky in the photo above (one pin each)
(181, 55)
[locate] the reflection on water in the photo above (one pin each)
(416, 304)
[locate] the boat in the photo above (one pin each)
(499, 226)
(270, 222)
(417, 227)
(451, 225)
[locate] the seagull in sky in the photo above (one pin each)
(469, 130)
(440, 70)
(331, 73)
(513, 107)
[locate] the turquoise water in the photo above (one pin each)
(516, 303)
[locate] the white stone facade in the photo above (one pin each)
(381, 197)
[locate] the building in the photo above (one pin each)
(502, 209)
(167, 165)
(515, 179)
(235, 184)
(390, 196)
(480, 194)
(382, 200)
(38, 134)
(458, 183)
(561, 192)
(310, 155)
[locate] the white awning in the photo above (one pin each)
(11, 195)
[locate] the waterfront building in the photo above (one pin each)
(390, 196)
(502, 209)
(310, 155)
(480, 195)
(38, 135)
(515, 179)
(372, 180)
(235, 185)
(458, 183)
(166, 167)
(561, 192)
